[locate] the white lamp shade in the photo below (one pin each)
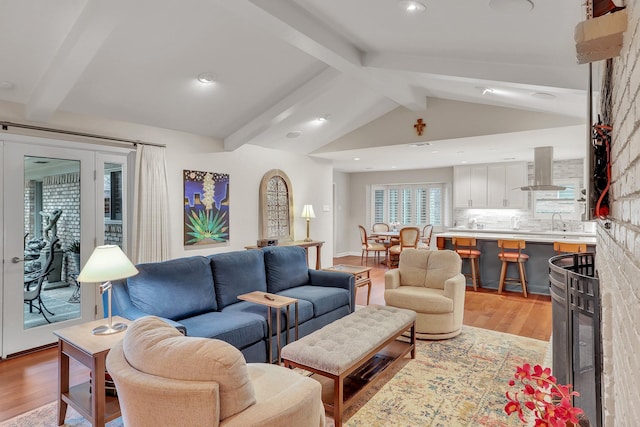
(106, 263)
(307, 212)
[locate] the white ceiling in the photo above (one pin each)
(279, 64)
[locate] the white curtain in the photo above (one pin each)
(150, 206)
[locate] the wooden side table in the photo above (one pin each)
(89, 399)
(277, 302)
(361, 275)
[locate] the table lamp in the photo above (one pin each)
(105, 264)
(307, 212)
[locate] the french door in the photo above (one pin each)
(55, 209)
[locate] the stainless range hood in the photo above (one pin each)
(543, 171)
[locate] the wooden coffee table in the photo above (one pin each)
(361, 274)
(346, 368)
(277, 302)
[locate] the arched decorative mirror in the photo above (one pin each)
(276, 206)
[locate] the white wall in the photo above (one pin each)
(342, 207)
(359, 191)
(618, 256)
(311, 178)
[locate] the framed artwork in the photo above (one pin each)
(206, 207)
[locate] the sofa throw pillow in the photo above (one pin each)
(286, 267)
(159, 285)
(153, 346)
(237, 273)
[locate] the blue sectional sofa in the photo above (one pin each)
(199, 295)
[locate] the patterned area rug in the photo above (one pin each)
(456, 382)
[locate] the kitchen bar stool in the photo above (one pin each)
(511, 252)
(564, 247)
(467, 248)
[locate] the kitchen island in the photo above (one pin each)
(539, 248)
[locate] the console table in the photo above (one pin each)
(303, 244)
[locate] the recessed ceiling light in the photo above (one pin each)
(6, 85)
(356, 158)
(393, 167)
(324, 118)
(511, 6)
(543, 95)
(206, 78)
(412, 6)
(294, 134)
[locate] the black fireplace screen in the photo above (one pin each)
(577, 355)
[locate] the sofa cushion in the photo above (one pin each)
(173, 289)
(324, 299)
(151, 346)
(238, 329)
(237, 273)
(286, 267)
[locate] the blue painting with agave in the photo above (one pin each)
(206, 207)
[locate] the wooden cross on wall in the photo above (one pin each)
(420, 125)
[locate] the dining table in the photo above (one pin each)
(388, 239)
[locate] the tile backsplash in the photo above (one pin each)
(506, 219)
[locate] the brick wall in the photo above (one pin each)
(618, 247)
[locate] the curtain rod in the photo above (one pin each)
(5, 126)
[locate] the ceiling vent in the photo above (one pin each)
(543, 171)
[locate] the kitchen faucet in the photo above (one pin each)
(553, 222)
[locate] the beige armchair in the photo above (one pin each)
(166, 379)
(431, 284)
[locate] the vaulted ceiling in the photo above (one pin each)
(278, 65)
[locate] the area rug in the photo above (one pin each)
(456, 382)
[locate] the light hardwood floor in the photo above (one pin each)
(30, 381)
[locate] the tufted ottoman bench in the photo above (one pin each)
(353, 351)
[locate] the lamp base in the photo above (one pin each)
(106, 330)
(308, 239)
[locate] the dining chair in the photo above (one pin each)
(425, 239)
(368, 246)
(382, 227)
(409, 237)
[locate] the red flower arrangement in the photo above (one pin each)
(549, 401)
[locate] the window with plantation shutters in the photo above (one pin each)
(378, 205)
(408, 204)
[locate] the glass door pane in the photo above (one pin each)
(48, 199)
(51, 240)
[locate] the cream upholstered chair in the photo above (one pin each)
(431, 284)
(166, 379)
(409, 238)
(367, 246)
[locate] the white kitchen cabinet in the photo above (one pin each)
(470, 186)
(503, 185)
